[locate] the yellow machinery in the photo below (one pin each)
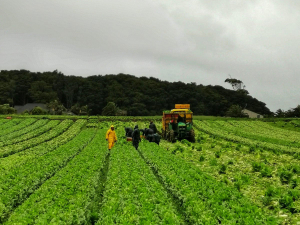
(178, 123)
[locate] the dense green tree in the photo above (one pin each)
(134, 96)
(110, 109)
(75, 109)
(6, 109)
(26, 112)
(41, 92)
(38, 111)
(92, 93)
(296, 111)
(280, 113)
(70, 88)
(293, 112)
(235, 111)
(83, 110)
(56, 107)
(7, 91)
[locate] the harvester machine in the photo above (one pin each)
(177, 124)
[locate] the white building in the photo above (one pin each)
(252, 114)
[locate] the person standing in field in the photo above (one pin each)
(149, 134)
(136, 137)
(128, 132)
(111, 137)
(153, 127)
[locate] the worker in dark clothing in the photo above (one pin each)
(128, 132)
(153, 127)
(136, 138)
(156, 138)
(148, 134)
(150, 137)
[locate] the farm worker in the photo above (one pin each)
(153, 127)
(136, 137)
(149, 134)
(111, 137)
(156, 138)
(128, 132)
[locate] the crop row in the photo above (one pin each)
(251, 171)
(34, 130)
(99, 118)
(204, 200)
(25, 130)
(3, 121)
(255, 133)
(276, 132)
(296, 123)
(11, 149)
(67, 196)
(232, 137)
(10, 124)
(276, 129)
(20, 182)
(24, 123)
(260, 131)
(132, 194)
(21, 157)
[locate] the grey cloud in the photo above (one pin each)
(193, 41)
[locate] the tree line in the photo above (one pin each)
(293, 112)
(133, 96)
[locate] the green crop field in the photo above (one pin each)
(57, 170)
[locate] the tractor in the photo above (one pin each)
(177, 124)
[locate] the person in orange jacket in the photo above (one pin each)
(111, 137)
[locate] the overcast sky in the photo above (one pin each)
(256, 41)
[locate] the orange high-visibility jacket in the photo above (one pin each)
(111, 136)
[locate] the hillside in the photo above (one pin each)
(139, 96)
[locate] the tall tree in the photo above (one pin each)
(235, 111)
(237, 85)
(110, 109)
(71, 85)
(41, 92)
(280, 113)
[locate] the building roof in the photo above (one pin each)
(247, 110)
(29, 107)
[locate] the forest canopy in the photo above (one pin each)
(138, 96)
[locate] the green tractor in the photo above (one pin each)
(178, 124)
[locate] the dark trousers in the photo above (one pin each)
(135, 144)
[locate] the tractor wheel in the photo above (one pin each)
(192, 136)
(164, 134)
(167, 135)
(172, 136)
